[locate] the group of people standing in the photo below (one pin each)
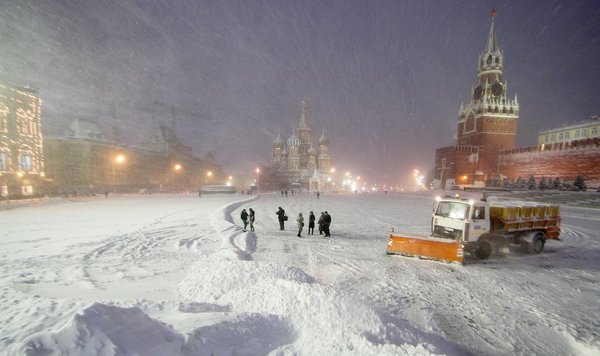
(323, 222)
(248, 217)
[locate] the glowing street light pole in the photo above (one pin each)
(257, 180)
(119, 159)
(176, 168)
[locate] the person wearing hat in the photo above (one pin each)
(300, 221)
(311, 224)
(244, 217)
(321, 222)
(326, 223)
(281, 217)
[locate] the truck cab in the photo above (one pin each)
(460, 219)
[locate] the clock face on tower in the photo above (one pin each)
(477, 92)
(497, 89)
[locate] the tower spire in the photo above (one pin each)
(492, 45)
(303, 121)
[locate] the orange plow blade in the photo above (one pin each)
(438, 249)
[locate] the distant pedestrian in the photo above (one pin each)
(300, 222)
(251, 217)
(199, 194)
(286, 192)
(327, 222)
(311, 223)
(282, 193)
(244, 217)
(321, 222)
(281, 217)
(318, 195)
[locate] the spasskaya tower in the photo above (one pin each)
(487, 124)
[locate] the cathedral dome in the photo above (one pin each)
(311, 151)
(293, 141)
(323, 140)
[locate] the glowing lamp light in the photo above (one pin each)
(209, 174)
(120, 159)
(177, 167)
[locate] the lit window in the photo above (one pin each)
(584, 133)
(546, 138)
(552, 138)
(25, 163)
(27, 190)
(577, 133)
(3, 161)
(560, 136)
(567, 135)
(595, 131)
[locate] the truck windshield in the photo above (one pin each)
(453, 210)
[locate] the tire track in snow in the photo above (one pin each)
(131, 255)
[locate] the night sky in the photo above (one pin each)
(385, 79)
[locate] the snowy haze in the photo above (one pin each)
(176, 275)
(384, 79)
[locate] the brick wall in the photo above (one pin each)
(564, 161)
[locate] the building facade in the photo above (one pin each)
(485, 126)
(589, 129)
(84, 162)
(21, 150)
(298, 162)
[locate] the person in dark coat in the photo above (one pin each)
(321, 222)
(251, 217)
(244, 217)
(281, 217)
(326, 223)
(311, 224)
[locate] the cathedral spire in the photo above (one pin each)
(303, 121)
(492, 44)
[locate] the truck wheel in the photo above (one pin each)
(484, 249)
(537, 243)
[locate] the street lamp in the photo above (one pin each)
(257, 180)
(176, 169)
(117, 160)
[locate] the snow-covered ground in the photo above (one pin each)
(176, 275)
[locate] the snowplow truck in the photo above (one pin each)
(479, 228)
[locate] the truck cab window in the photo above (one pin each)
(453, 210)
(478, 213)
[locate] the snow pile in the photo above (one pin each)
(108, 330)
(291, 298)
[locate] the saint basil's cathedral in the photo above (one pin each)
(300, 164)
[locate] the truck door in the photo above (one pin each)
(479, 223)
